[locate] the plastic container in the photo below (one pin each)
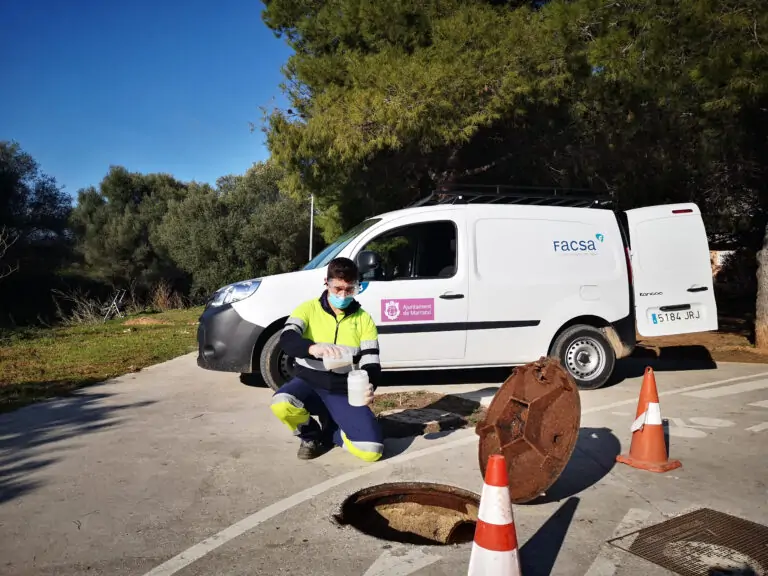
(357, 387)
(336, 363)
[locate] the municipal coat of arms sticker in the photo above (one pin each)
(407, 310)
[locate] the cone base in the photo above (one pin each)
(484, 562)
(664, 466)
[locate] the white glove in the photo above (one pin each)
(322, 350)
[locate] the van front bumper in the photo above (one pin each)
(225, 341)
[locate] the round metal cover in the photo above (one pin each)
(533, 420)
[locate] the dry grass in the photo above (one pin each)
(82, 309)
(146, 321)
(78, 308)
(164, 298)
(36, 364)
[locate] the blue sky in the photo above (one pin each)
(155, 86)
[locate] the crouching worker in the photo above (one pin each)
(315, 329)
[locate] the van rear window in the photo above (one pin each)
(674, 245)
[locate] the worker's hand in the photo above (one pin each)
(369, 395)
(322, 350)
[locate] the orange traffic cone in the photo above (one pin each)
(494, 550)
(648, 450)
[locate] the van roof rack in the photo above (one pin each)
(502, 194)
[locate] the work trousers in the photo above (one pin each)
(353, 428)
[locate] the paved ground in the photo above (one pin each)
(180, 471)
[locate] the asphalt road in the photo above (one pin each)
(179, 471)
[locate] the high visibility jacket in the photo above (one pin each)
(315, 322)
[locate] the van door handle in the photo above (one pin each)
(675, 308)
(698, 289)
(451, 296)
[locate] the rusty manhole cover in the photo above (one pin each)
(421, 513)
(702, 543)
(533, 421)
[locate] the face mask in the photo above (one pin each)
(340, 302)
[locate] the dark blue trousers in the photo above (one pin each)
(354, 428)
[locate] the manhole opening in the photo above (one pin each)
(418, 513)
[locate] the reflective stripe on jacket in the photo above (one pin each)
(314, 322)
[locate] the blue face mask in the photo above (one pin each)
(340, 302)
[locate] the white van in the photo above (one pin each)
(481, 280)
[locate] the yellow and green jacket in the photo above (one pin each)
(314, 322)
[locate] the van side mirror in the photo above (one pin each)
(367, 261)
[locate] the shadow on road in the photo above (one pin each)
(663, 359)
(479, 395)
(443, 377)
(420, 377)
(29, 436)
(593, 457)
(539, 554)
(745, 571)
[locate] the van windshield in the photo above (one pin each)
(330, 252)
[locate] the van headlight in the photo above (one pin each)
(234, 292)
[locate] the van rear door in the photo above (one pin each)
(671, 269)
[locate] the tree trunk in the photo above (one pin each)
(761, 306)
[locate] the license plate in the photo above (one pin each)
(658, 317)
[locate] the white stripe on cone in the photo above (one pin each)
(489, 563)
(495, 505)
(651, 416)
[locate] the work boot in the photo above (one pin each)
(310, 449)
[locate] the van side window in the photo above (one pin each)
(416, 251)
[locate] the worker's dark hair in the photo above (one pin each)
(343, 269)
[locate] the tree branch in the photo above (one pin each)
(6, 241)
(485, 167)
(757, 38)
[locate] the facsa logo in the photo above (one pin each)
(577, 245)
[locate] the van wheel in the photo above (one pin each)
(252, 379)
(586, 354)
(276, 366)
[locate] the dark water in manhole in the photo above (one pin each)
(419, 513)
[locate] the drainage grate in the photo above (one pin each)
(702, 543)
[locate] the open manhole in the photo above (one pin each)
(702, 543)
(419, 513)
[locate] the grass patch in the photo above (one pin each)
(36, 364)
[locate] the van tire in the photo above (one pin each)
(586, 354)
(253, 379)
(275, 365)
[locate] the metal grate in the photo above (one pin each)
(702, 543)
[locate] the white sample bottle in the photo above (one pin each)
(357, 387)
(336, 363)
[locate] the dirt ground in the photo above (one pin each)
(732, 343)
